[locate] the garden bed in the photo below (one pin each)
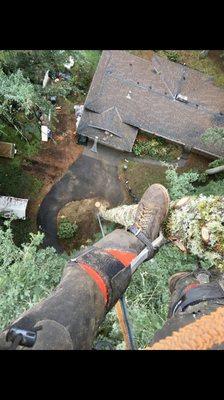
(147, 145)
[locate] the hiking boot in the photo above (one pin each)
(152, 210)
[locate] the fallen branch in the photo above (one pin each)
(215, 170)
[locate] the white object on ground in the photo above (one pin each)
(78, 113)
(10, 206)
(70, 63)
(46, 79)
(78, 110)
(77, 121)
(44, 133)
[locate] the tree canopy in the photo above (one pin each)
(22, 73)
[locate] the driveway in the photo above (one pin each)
(92, 175)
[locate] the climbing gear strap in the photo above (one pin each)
(143, 238)
(146, 254)
(195, 295)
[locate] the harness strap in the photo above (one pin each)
(143, 238)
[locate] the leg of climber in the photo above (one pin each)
(91, 284)
(193, 296)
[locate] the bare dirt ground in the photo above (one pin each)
(54, 158)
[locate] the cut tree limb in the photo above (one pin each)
(215, 170)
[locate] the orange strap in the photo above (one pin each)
(125, 257)
(97, 278)
(203, 334)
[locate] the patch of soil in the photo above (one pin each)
(83, 213)
(194, 162)
(142, 137)
(146, 54)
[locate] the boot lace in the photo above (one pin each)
(145, 215)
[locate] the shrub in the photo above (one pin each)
(156, 148)
(172, 55)
(216, 163)
(28, 274)
(214, 188)
(66, 229)
(180, 185)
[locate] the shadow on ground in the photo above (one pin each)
(92, 175)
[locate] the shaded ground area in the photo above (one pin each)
(92, 175)
(138, 176)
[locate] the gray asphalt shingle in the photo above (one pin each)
(128, 92)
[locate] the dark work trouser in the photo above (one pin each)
(89, 288)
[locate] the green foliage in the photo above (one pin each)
(27, 274)
(21, 230)
(66, 230)
(216, 163)
(156, 148)
(22, 73)
(83, 70)
(173, 55)
(26, 146)
(214, 188)
(16, 182)
(215, 136)
(180, 185)
(148, 297)
(15, 89)
(34, 63)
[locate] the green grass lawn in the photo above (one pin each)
(140, 176)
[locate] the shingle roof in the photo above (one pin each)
(128, 92)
